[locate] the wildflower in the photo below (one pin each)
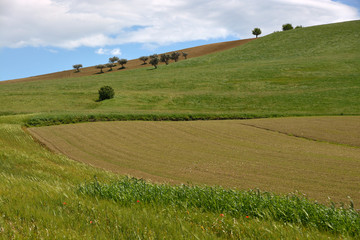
(64, 203)
(138, 201)
(91, 222)
(247, 216)
(221, 215)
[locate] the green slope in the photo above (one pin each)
(308, 71)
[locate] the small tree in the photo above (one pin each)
(287, 27)
(100, 66)
(113, 59)
(256, 32)
(185, 54)
(165, 58)
(144, 59)
(110, 65)
(106, 92)
(77, 67)
(175, 56)
(298, 27)
(154, 61)
(122, 62)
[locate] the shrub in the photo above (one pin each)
(77, 67)
(110, 65)
(175, 56)
(287, 26)
(165, 58)
(154, 61)
(144, 59)
(106, 92)
(113, 59)
(122, 62)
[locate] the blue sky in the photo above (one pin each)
(44, 36)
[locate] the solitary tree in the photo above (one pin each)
(77, 67)
(185, 54)
(100, 66)
(144, 59)
(165, 58)
(106, 92)
(110, 65)
(287, 26)
(154, 61)
(122, 62)
(256, 32)
(113, 59)
(175, 56)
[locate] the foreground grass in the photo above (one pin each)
(40, 198)
(252, 204)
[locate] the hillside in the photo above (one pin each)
(135, 63)
(309, 71)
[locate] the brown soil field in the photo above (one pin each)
(227, 153)
(135, 63)
(336, 129)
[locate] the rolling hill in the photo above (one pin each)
(309, 71)
(135, 63)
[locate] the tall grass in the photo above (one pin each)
(240, 204)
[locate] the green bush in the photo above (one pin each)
(106, 92)
(287, 27)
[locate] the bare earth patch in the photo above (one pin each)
(226, 153)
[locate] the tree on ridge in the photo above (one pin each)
(256, 32)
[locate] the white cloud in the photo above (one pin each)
(105, 51)
(75, 23)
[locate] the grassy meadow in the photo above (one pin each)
(303, 72)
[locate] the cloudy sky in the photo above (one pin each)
(42, 36)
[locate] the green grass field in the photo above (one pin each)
(44, 195)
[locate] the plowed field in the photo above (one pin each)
(227, 153)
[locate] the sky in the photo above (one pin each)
(44, 36)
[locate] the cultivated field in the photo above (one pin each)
(226, 153)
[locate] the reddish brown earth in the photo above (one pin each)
(135, 63)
